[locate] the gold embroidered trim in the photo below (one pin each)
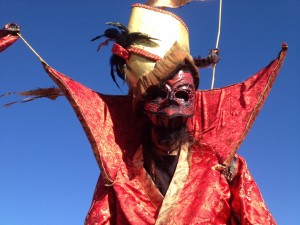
(175, 187)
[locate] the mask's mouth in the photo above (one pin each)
(166, 121)
(171, 134)
(168, 113)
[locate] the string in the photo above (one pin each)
(29, 46)
(217, 43)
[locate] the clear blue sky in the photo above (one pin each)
(47, 169)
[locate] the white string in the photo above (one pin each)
(217, 44)
(39, 57)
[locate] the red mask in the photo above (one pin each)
(173, 99)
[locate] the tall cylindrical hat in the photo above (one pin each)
(152, 64)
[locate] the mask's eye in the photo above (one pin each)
(182, 95)
(160, 95)
(157, 94)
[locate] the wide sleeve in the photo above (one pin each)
(224, 116)
(247, 204)
(111, 128)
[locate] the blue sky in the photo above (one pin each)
(47, 169)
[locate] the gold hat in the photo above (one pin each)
(152, 64)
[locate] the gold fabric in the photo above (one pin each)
(176, 186)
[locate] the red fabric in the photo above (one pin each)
(120, 51)
(222, 120)
(7, 38)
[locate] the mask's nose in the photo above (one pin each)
(170, 98)
(170, 101)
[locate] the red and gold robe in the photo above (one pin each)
(198, 193)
